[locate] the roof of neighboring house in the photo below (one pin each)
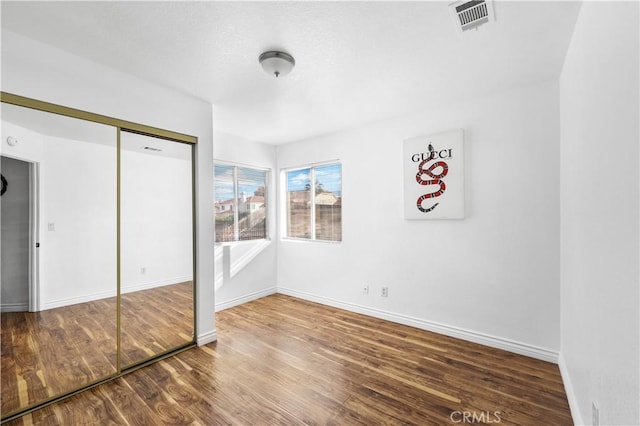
(256, 199)
(326, 198)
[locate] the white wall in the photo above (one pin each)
(15, 236)
(492, 277)
(43, 72)
(257, 278)
(599, 214)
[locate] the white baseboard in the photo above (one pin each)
(244, 299)
(111, 293)
(571, 395)
(208, 337)
(457, 332)
(14, 307)
(51, 304)
(153, 284)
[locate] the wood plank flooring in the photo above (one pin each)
(155, 320)
(282, 360)
(48, 353)
(54, 351)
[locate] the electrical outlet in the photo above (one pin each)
(595, 415)
(385, 291)
(365, 289)
(143, 270)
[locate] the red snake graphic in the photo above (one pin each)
(435, 180)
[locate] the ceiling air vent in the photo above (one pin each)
(471, 14)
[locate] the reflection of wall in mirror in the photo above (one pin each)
(77, 197)
(156, 244)
(78, 202)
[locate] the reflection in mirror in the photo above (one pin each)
(156, 281)
(58, 301)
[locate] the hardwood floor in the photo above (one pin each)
(48, 353)
(281, 360)
(54, 351)
(155, 320)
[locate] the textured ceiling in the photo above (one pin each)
(355, 61)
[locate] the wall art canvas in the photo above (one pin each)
(434, 176)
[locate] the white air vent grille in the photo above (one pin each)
(471, 14)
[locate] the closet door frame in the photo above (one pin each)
(132, 127)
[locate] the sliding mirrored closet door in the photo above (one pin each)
(156, 307)
(59, 322)
(97, 249)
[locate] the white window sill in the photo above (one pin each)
(306, 240)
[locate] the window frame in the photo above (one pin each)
(285, 206)
(235, 207)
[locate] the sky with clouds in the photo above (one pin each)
(330, 176)
(249, 180)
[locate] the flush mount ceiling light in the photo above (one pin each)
(276, 63)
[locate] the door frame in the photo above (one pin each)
(34, 236)
(33, 263)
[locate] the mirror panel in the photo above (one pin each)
(156, 278)
(59, 310)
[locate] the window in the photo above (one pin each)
(240, 203)
(314, 211)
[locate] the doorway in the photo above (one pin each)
(18, 234)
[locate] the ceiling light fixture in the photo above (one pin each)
(276, 63)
